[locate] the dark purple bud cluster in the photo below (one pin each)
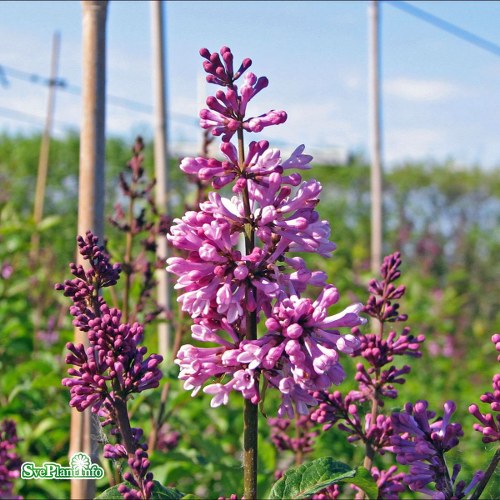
(10, 463)
(489, 424)
(167, 439)
(380, 303)
(84, 288)
(374, 381)
(302, 442)
(114, 355)
(221, 72)
(140, 478)
(333, 408)
(421, 444)
(113, 366)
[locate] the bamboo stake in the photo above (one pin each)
(84, 429)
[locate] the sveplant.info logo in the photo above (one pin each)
(80, 467)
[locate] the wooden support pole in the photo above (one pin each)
(84, 429)
(375, 139)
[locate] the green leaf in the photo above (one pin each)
(159, 492)
(364, 480)
(308, 479)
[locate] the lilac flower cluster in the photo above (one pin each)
(334, 408)
(421, 444)
(113, 367)
(375, 382)
(376, 378)
(489, 424)
(10, 463)
(226, 289)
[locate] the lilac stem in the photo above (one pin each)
(487, 475)
(250, 412)
(127, 261)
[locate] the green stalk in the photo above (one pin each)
(487, 475)
(250, 412)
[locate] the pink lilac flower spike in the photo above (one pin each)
(230, 291)
(226, 110)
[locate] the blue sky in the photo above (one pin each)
(441, 97)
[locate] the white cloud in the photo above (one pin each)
(419, 90)
(415, 142)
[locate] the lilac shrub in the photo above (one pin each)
(114, 366)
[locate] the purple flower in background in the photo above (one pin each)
(50, 335)
(6, 270)
(301, 443)
(10, 463)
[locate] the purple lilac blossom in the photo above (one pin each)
(227, 109)
(221, 284)
(50, 335)
(421, 444)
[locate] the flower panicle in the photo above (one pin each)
(422, 443)
(220, 283)
(381, 303)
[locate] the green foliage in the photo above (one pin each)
(308, 479)
(159, 492)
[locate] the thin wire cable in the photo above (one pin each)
(7, 71)
(444, 25)
(29, 118)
